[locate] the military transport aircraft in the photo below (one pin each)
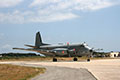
(61, 50)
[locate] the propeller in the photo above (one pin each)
(91, 49)
(98, 49)
(68, 49)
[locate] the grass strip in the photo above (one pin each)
(14, 72)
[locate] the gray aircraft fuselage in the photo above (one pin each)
(71, 50)
(64, 50)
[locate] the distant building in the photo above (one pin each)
(114, 54)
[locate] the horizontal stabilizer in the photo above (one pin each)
(30, 46)
(19, 48)
(24, 49)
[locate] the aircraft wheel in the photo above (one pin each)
(75, 59)
(54, 60)
(88, 60)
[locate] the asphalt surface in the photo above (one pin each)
(62, 73)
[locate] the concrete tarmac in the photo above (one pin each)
(64, 73)
(105, 69)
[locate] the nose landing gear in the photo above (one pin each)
(75, 59)
(88, 60)
(54, 59)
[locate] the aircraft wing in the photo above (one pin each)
(37, 50)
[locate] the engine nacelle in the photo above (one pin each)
(60, 51)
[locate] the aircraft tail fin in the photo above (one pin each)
(38, 41)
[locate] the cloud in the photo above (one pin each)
(53, 10)
(43, 2)
(53, 17)
(6, 48)
(73, 4)
(28, 16)
(11, 18)
(9, 3)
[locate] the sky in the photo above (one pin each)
(96, 22)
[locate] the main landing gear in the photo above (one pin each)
(54, 59)
(88, 60)
(75, 59)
